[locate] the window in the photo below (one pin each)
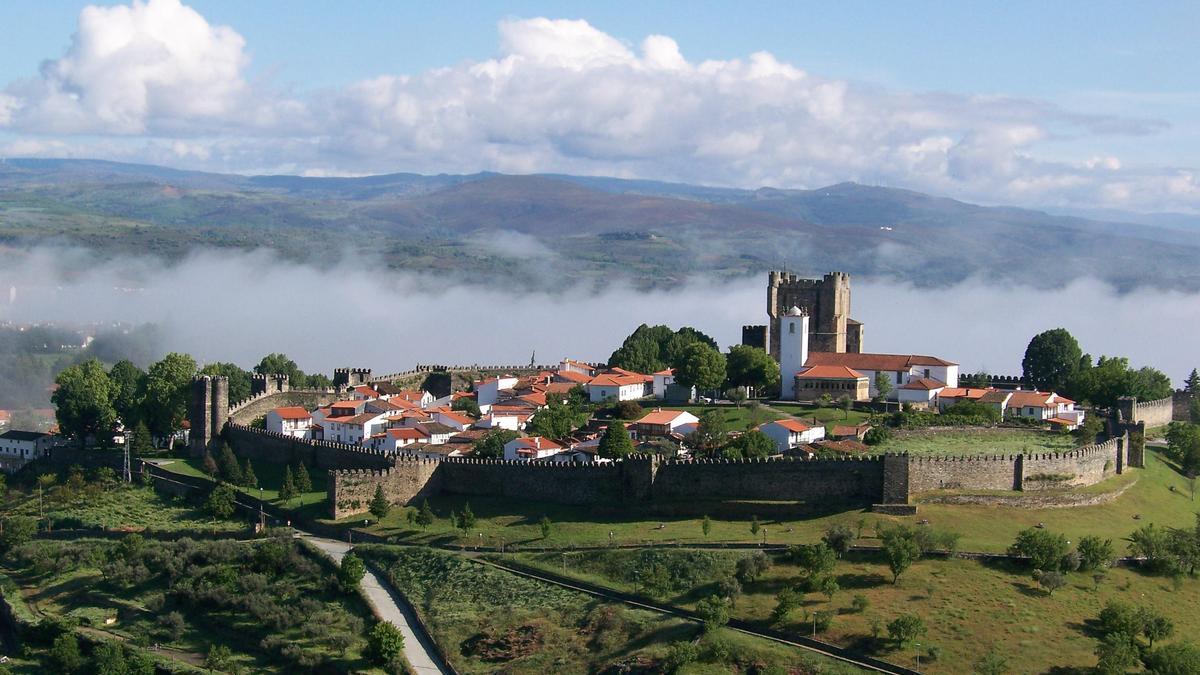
(792, 328)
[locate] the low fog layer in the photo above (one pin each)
(237, 307)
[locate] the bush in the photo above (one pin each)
(351, 572)
(680, 654)
(1044, 549)
(860, 603)
(752, 567)
(906, 628)
(385, 642)
(65, 654)
(839, 538)
(877, 435)
(714, 611)
(627, 410)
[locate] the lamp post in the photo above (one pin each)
(918, 656)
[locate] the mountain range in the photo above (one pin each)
(545, 230)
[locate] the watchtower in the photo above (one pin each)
(269, 384)
(826, 301)
(793, 350)
(207, 413)
(346, 378)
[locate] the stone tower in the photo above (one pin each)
(827, 303)
(793, 350)
(208, 412)
(346, 378)
(269, 384)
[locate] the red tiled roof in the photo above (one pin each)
(292, 413)
(366, 391)
(573, 376)
(924, 384)
(668, 371)
(407, 434)
(660, 417)
(795, 426)
(537, 443)
(615, 380)
(874, 362)
(829, 372)
(963, 392)
(457, 417)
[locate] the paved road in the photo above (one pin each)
(418, 649)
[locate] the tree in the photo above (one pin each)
(1153, 544)
(615, 443)
(828, 587)
(1044, 548)
(1085, 434)
(210, 465)
(754, 526)
(710, 433)
(351, 571)
(877, 435)
(556, 420)
(1179, 658)
(1117, 655)
(302, 480)
(249, 478)
(1183, 445)
(128, 384)
(706, 526)
(700, 366)
(714, 612)
(231, 471)
(544, 526)
(1051, 581)
(466, 519)
(167, 394)
(751, 367)
(1122, 619)
(1192, 384)
(424, 516)
(1156, 626)
(751, 567)
(883, 385)
(491, 446)
(84, 402)
(840, 538)
(466, 405)
(901, 552)
(385, 643)
(65, 654)
(1051, 359)
(221, 501)
(108, 658)
(650, 349)
(141, 444)
(1094, 553)
(16, 530)
(287, 489)
(993, 662)
(280, 364)
(906, 628)
(815, 560)
(239, 380)
(753, 444)
(846, 404)
(627, 410)
(380, 506)
(218, 658)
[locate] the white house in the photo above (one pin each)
(391, 440)
(18, 448)
(1045, 406)
(531, 448)
(573, 366)
(788, 433)
(900, 368)
(920, 392)
(615, 387)
(504, 420)
(290, 421)
(453, 419)
(659, 423)
(662, 380)
(356, 429)
(487, 391)
(363, 393)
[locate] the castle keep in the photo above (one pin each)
(827, 303)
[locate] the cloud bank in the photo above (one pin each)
(239, 306)
(155, 81)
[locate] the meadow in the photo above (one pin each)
(961, 442)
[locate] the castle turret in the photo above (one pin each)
(793, 350)
(207, 413)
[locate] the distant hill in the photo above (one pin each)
(653, 233)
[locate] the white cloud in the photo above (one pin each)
(563, 96)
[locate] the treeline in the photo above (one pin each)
(1055, 362)
(697, 360)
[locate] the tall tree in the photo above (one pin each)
(231, 471)
(380, 506)
(84, 402)
(128, 383)
(1192, 384)
(280, 364)
(303, 481)
(557, 420)
(883, 385)
(491, 446)
(239, 380)
(615, 443)
(652, 348)
(748, 366)
(287, 489)
(700, 366)
(1051, 358)
(167, 392)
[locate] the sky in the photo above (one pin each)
(1065, 104)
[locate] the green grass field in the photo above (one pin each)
(828, 415)
(957, 442)
(131, 507)
(489, 620)
(270, 477)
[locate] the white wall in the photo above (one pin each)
(793, 352)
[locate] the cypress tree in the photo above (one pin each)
(379, 504)
(230, 471)
(615, 444)
(303, 482)
(210, 465)
(249, 479)
(287, 489)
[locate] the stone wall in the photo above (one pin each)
(1181, 402)
(408, 480)
(809, 481)
(1039, 471)
(974, 472)
(261, 445)
(1154, 413)
(245, 412)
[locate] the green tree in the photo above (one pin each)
(544, 526)
(221, 501)
(1153, 544)
(280, 364)
(751, 367)
(650, 349)
(710, 434)
(1051, 581)
(1094, 553)
(1179, 658)
(557, 420)
(846, 404)
(1183, 445)
(1051, 359)
(1121, 619)
(303, 481)
(16, 530)
(249, 478)
(466, 405)
(815, 560)
(380, 506)
(65, 655)
(993, 662)
(1085, 434)
(424, 517)
(128, 384)
(840, 538)
(706, 526)
(700, 366)
(615, 443)
(883, 385)
(210, 465)
(231, 471)
(108, 658)
(167, 394)
(385, 643)
(901, 552)
(906, 628)
(351, 571)
(466, 519)
(239, 380)
(141, 444)
(219, 658)
(753, 444)
(1192, 384)
(491, 446)
(1117, 655)
(714, 612)
(84, 402)
(785, 603)
(754, 526)
(828, 587)
(877, 435)
(1045, 549)
(1155, 626)
(287, 489)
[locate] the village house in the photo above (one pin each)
(513, 421)
(898, 368)
(291, 421)
(789, 434)
(18, 448)
(814, 382)
(392, 440)
(921, 393)
(617, 385)
(531, 448)
(661, 423)
(454, 420)
(487, 392)
(662, 380)
(435, 452)
(354, 429)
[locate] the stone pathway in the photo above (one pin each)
(419, 651)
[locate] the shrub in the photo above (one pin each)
(680, 654)
(860, 603)
(351, 571)
(1044, 549)
(906, 628)
(65, 654)
(714, 611)
(752, 567)
(839, 538)
(385, 642)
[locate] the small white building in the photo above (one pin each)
(1044, 406)
(615, 387)
(789, 433)
(18, 448)
(920, 392)
(454, 419)
(504, 420)
(363, 393)
(290, 421)
(660, 423)
(898, 368)
(531, 448)
(487, 392)
(662, 380)
(356, 429)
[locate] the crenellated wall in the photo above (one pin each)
(1038, 471)
(1154, 413)
(407, 480)
(811, 481)
(250, 409)
(261, 445)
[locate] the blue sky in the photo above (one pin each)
(1023, 102)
